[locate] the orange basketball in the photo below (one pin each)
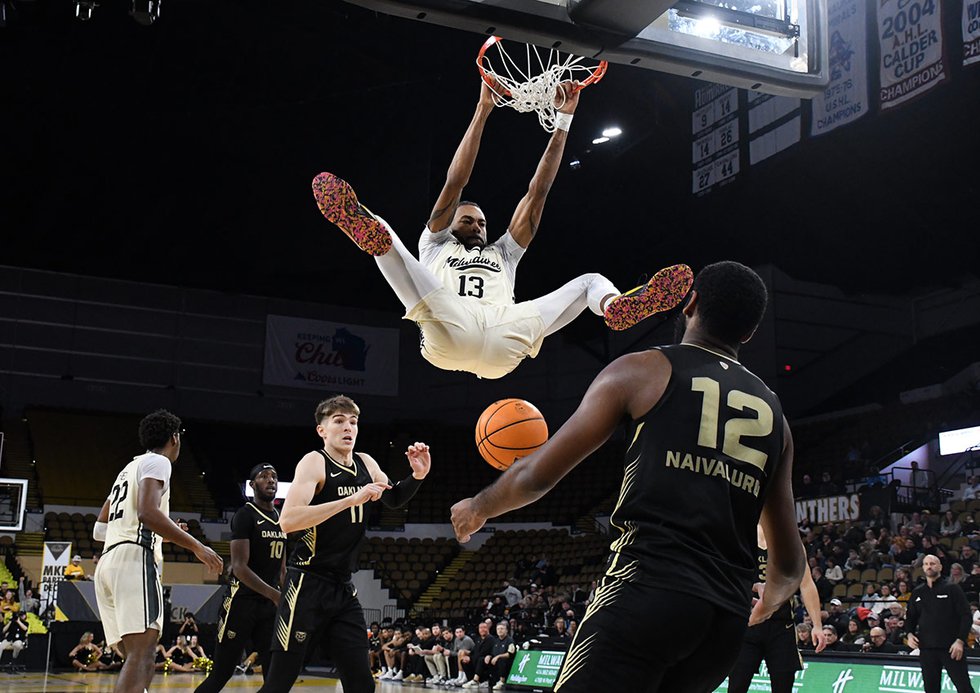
(508, 430)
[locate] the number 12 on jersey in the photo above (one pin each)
(735, 428)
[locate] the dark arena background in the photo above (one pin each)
(160, 248)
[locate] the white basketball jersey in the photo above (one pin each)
(124, 523)
(485, 276)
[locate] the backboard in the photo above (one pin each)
(773, 46)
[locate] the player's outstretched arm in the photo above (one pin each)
(148, 509)
(613, 394)
(527, 217)
(298, 514)
(787, 560)
(462, 166)
(811, 601)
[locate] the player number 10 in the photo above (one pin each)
(275, 549)
(735, 428)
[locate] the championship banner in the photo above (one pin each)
(971, 31)
(840, 677)
(910, 36)
(846, 97)
(330, 356)
(57, 556)
(830, 509)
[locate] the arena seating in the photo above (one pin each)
(406, 567)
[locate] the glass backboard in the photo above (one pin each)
(772, 46)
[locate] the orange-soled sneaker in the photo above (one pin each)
(664, 291)
(338, 203)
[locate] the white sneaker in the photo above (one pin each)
(471, 684)
(438, 679)
(499, 686)
(397, 677)
(386, 675)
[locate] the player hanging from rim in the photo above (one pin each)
(133, 522)
(257, 561)
(710, 458)
(325, 504)
(461, 290)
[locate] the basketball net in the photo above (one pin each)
(532, 84)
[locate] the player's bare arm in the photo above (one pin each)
(527, 217)
(148, 507)
(787, 560)
(612, 395)
(462, 165)
(240, 553)
(297, 513)
(811, 600)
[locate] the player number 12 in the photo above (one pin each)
(735, 428)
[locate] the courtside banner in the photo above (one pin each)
(836, 677)
(330, 356)
(57, 556)
(910, 37)
(971, 31)
(846, 97)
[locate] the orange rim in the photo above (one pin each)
(597, 74)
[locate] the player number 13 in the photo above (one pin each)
(735, 428)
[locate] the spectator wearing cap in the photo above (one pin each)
(74, 570)
(837, 617)
(938, 624)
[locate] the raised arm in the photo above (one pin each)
(462, 166)
(527, 216)
(297, 513)
(787, 560)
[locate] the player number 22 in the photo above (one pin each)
(735, 428)
(119, 493)
(474, 288)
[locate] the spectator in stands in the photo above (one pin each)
(807, 488)
(968, 559)
(572, 627)
(970, 527)
(559, 630)
(14, 635)
(956, 574)
(431, 654)
(511, 594)
(460, 651)
(908, 554)
(854, 634)
(476, 663)
(903, 592)
(827, 485)
(500, 656)
(824, 587)
(578, 595)
(920, 482)
(854, 561)
(950, 526)
(930, 524)
(28, 602)
(803, 639)
(833, 572)
(74, 570)
(893, 631)
(885, 601)
(878, 642)
(496, 609)
(592, 588)
(85, 655)
(833, 644)
(877, 519)
(837, 617)
(8, 605)
(972, 490)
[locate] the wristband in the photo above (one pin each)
(563, 121)
(99, 531)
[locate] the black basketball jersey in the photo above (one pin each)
(696, 476)
(266, 544)
(330, 548)
(785, 612)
